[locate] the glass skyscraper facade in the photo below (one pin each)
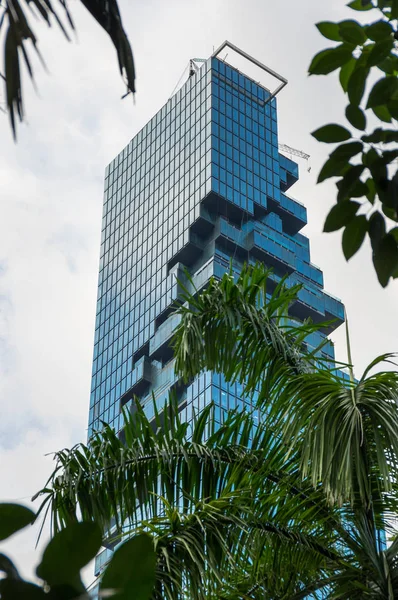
(201, 185)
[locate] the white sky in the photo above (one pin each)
(51, 202)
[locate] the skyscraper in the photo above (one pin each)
(203, 183)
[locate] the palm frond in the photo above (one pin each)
(240, 329)
(348, 431)
(19, 34)
(211, 500)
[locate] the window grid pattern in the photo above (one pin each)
(215, 139)
(152, 196)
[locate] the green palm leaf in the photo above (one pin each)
(19, 34)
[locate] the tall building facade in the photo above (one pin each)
(203, 183)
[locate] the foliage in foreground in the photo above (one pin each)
(365, 162)
(19, 36)
(65, 556)
(291, 506)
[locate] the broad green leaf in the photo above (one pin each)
(331, 133)
(371, 194)
(350, 179)
(383, 91)
(352, 32)
(356, 85)
(357, 5)
(379, 135)
(131, 571)
(13, 517)
(358, 190)
(390, 199)
(394, 9)
(380, 52)
(370, 157)
(333, 167)
(338, 160)
(385, 258)
(347, 151)
(391, 213)
(8, 567)
(329, 30)
(12, 589)
(377, 229)
(376, 137)
(340, 215)
(68, 552)
(382, 113)
(346, 71)
(354, 235)
(393, 109)
(380, 30)
(356, 116)
(389, 65)
(330, 59)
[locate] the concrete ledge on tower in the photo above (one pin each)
(309, 303)
(230, 237)
(292, 213)
(263, 247)
(218, 204)
(159, 344)
(288, 171)
(334, 309)
(141, 380)
(190, 252)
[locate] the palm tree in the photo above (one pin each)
(19, 33)
(292, 507)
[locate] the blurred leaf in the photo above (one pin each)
(329, 30)
(356, 85)
(391, 213)
(11, 589)
(383, 91)
(394, 232)
(340, 215)
(380, 52)
(356, 116)
(351, 177)
(108, 16)
(352, 32)
(391, 197)
(357, 5)
(385, 258)
(380, 135)
(68, 552)
(380, 30)
(106, 13)
(392, 107)
(338, 160)
(8, 567)
(389, 65)
(371, 194)
(377, 229)
(382, 113)
(132, 570)
(331, 133)
(346, 71)
(354, 235)
(358, 190)
(330, 59)
(14, 517)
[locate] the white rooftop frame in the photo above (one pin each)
(282, 80)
